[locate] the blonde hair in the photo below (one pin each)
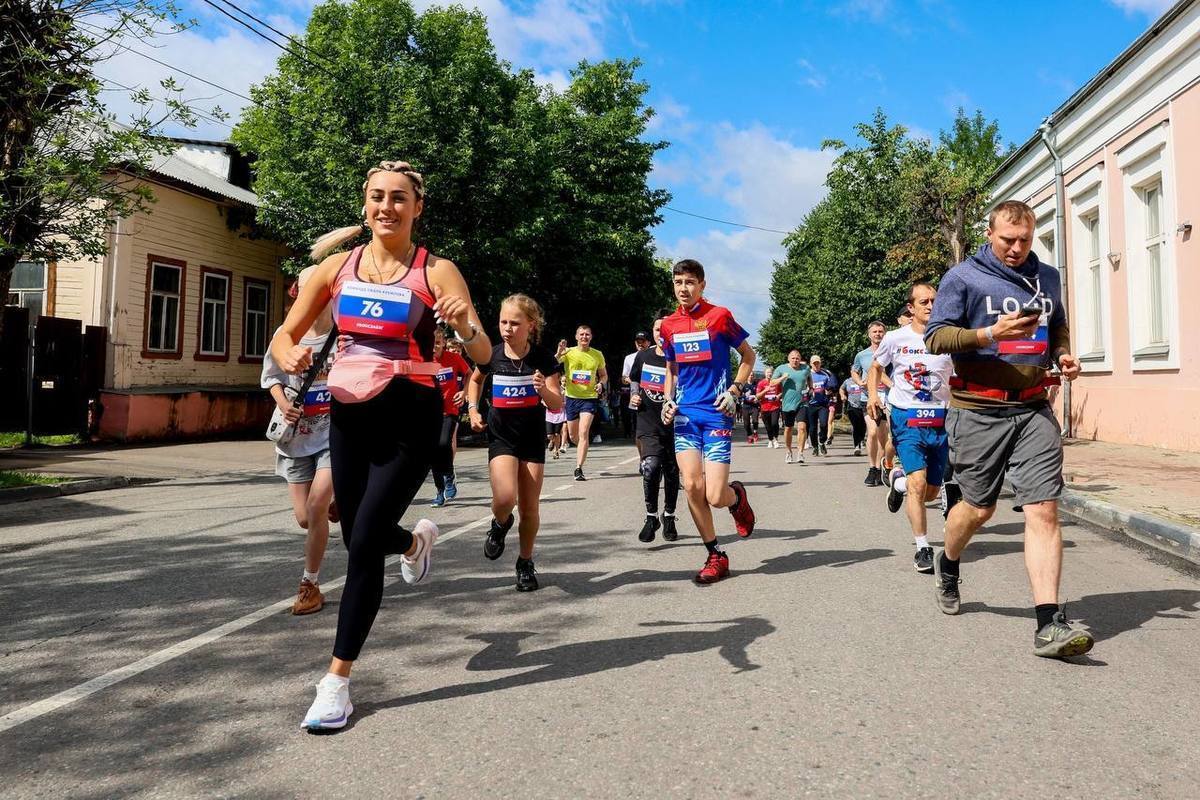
(532, 311)
(336, 238)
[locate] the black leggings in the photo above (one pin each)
(858, 423)
(443, 454)
(750, 415)
(654, 468)
(818, 425)
(771, 420)
(380, 452)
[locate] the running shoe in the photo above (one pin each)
(557, 453)
(894, 499)
(493, 545)
(800, 457)
(309, 599)
(439, 500)
(416, 568)
(451, 488)
(668, 525)
(946, 586)
(596, 439)
(743, 518)
(526, 575)
(579, 474)
(647, 533)
(789, 459)
(332, 707)
(923, 560)
(1057, 639)
(824, 450)
(858, 450)
(872, 478)
(714, 569)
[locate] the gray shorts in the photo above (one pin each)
(301, 469)
(983, 447)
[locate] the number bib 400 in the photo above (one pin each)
(514, 391)
(692, 347)
(373, 309)
(316, 401)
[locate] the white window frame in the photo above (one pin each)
(265, 314)
(21, 294)
(1144, 164)
(205, 303)
(176, 318)
(1088, 208)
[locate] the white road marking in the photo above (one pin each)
(76, 693)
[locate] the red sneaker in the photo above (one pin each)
(743, 518)
(714, 569)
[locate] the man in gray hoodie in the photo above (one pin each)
(1000, 315)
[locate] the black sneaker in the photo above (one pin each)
(824, 450)
(526, 575)
(1057, 639)
(579, 474)
(647, 534)
(668, 525)
(873, 477)
(951, 496)
(894, 499)
(493, 545)
(923, 560)
(946, 587)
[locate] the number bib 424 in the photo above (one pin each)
(316, 401)
(514, 391)
(373, 309)
(654, 379)
(926, 417)
(692, 347)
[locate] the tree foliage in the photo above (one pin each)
(528, 189)
(66, 164)
(898, 210)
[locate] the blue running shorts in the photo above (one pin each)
(706, 430)
(921, 441)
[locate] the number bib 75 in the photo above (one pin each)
(316, 401)
(653, 379)
(692, 347)
(514, 391)
(373, 309)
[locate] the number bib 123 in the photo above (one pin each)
(692, 347)
(373, 309)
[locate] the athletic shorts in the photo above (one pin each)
(790, 417)
(553, 428)
(301, 469)
(706, 430)
(920, 448)
(533, 452)
(659, 445)
(575, 407)
(1026, 445)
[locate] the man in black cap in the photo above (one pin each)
(641, 340)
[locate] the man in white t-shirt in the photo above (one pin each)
(641, 341)
(919, 397)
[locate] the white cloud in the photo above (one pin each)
(1153, 8)
(917, 132)
(545, 34)
(809, 75)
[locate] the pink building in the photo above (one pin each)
(1128, 159)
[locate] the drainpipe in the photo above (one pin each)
(1060, 250)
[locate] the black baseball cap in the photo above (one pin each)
(642, 335)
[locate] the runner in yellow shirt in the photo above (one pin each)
(586, 380)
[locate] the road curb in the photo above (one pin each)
(1169, 537)
(22, 493)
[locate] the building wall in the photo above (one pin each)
(1139, 129)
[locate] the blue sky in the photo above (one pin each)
(746, 92)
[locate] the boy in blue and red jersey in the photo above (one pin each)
(701, 402)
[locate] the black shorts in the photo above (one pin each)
(517, 433)
(662, 446)
(789, 417)
(553, 427)
(534, 453)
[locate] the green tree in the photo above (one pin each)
(67, 165)
(528, 189)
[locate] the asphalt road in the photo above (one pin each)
(145, 650)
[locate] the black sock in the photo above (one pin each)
(712, 546)
(1045, 613)
(949, 567)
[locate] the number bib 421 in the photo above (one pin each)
(926, 417)
(514, 391)
(654, 379)
(373, 309)
(692, 347)
(316, 401)
(444, 376)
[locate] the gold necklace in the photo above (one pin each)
(407, 262)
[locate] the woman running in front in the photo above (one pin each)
(386, 410)
(452, 380)
(523, 378)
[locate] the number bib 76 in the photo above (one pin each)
(692, 347)
(373, 309)
(514, 391)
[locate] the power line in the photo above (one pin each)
(269, 27)
(164, 100)
(263, 36)
(725, 221)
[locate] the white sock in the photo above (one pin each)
(329, 676)
(311, 576)
(922, 541)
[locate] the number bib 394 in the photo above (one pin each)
(514, 391)
(926, 417)
(316, 401)
(373, 309)
(692, 347)
(654, 379)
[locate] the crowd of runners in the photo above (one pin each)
(383, 347)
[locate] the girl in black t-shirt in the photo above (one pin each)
(523, 381)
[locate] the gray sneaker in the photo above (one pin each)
(1057, 639)
(923, 560)
(947, 587)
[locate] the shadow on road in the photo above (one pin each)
(577, 659)
(979, 550)
(1111, 614)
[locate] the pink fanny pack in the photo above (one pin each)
(357, 378)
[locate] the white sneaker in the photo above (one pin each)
(858, 451)
(414, 569)
(800, 457)
(332, 707)
(789, 459)
(596, 439)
